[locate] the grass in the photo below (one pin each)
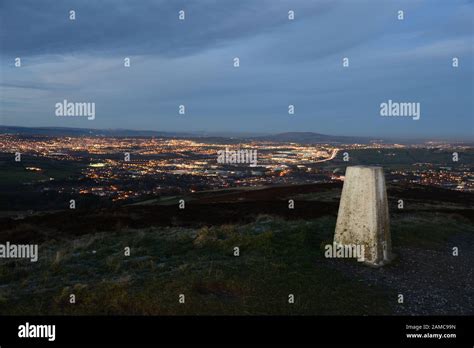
(277, 258)
(428, 230)
(15, 173)
(398, 158)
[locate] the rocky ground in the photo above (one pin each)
(432, 282)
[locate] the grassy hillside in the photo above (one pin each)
(279, 255)
(276, 258)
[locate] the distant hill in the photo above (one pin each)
(313, 138)
(66, 131)
(292, 137)
(220, 137)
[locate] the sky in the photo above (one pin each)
(282, 62)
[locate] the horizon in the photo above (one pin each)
(187, 62)
(230, 134)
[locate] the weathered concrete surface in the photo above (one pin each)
(363, 214)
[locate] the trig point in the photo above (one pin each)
(363, 214)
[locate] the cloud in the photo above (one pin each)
(146, 27)
(282, 62)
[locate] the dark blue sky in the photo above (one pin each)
(282, 62)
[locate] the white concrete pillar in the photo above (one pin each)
(363, 217)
